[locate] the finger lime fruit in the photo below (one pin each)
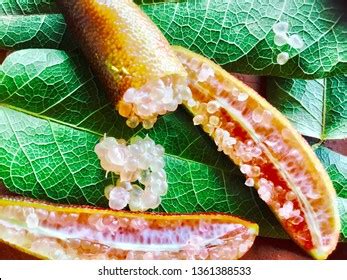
(131, 57)
(72, 232)
(270, 152)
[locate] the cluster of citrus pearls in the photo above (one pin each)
(155, 98)
(140, 167)
(282, 38)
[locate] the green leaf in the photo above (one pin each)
(235, 33)
(33, 23)
(317, 108)
(48, 152)
(43, 159)
(238, 34)
(26, 7)
(336, 165)
(55, 85)
(51, 116)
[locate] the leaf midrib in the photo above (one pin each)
(322, 135)
(49, 119)
(324, 96)
(29, 15)
(296, 100)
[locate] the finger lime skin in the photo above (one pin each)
(123, 45)
(274, 157)
(51, 231)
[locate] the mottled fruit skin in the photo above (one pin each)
(122, 44)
